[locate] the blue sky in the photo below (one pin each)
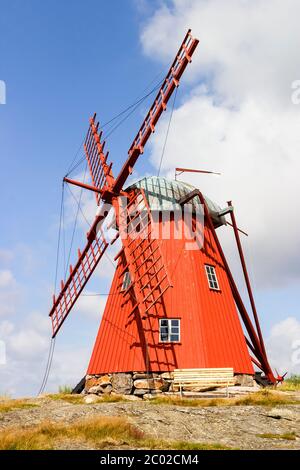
(61, 62)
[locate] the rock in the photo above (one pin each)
(91, 398)
(167, 375)
(143, 376)
(104, 380)
(256, 386)
(156, 392)
(96, 389)
(92, 381)
(150, 384)
(282, 413)
(140, 391)
(107, 389)
(244, 380)
(122, 383)
(149, 396)
(132, 397)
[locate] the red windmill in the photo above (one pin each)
(172, 307)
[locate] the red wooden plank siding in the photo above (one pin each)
(211, 332)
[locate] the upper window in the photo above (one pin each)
(126, 281)
(212, 277)
(169, 330)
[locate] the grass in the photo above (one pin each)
(289, 436)
(79, 399)
(99, 433)
(262, 398)
(266, 397)
(74, 399)
(291, 384)
(65, 390)
(9, 405)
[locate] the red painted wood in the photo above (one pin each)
(211, 332)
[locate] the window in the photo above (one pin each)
(212, 277)
(169, 330)
(126, 281)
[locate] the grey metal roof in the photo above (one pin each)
(164, 194)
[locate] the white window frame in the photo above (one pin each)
(169, 327)
(126, 281)
(212, 278)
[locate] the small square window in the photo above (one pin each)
(212, 277)
(126, 281)
(169, 330)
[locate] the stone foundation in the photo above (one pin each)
(144, 385)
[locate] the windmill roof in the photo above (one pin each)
(164, 194)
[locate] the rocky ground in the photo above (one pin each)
(232, 426)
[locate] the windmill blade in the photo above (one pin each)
(100, 170)
(79, 275)
(145, 263)
(183, 57)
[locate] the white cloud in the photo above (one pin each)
(239, 119)
(9, 293)
(27, 345)
(246, 47)
(91, 304)
(6, 328)
(69, 366)
(283, 346)
(6, 278)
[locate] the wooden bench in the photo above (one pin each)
(186, 379)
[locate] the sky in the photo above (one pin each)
(63, 61)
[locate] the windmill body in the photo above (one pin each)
(208, 332)
(173, 303)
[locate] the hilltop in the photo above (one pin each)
(264, 420)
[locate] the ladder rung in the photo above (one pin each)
(150, 279)
(146, 259)
(153, 303)
(155, 287)
(149, 244)
(150, 267)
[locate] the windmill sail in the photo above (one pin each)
(100, 171)
(79, 276)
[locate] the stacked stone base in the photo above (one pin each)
(143, 385)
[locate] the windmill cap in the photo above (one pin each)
(164, 194)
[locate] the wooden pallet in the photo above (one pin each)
(200, 378)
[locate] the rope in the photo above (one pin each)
(132, 108)
(137, 102)
(59, 237)
(64, 236)
(167, 133)
(76, 154)
(76, 200)
(48, 366)
(52, 341)
(75, 225)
